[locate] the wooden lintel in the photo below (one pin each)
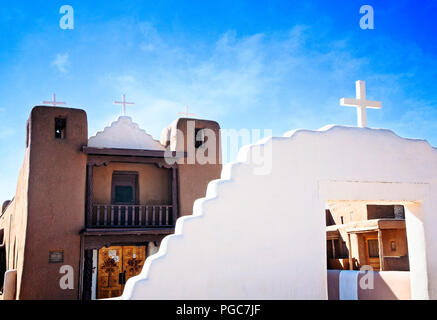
(132, 152)
(125, 231)
(98, 160)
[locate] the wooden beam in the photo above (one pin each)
(333, 248)
(99, 160)
(381, 250)
(89, 195)
(350, 251)
(132, 152)
(97, 242)
(81, 265)
(87, 275)
(126, 231)
(174, 192)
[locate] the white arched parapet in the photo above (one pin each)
(124, 134)
(262, 236)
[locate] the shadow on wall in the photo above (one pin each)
(388, 285)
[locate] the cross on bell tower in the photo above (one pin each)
(54, 102)
(186, 114)
(360, 103)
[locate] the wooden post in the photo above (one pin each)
(351, 267)
(174, 191)
(333, 248)
(87, 274)
(381, 250)
(89, 198)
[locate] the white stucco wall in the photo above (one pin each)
(124, 134)
(263, 236)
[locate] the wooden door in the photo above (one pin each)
(133, 261)
(116, 265)
(372, 251)
(109, 269)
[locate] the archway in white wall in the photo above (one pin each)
(412, 196)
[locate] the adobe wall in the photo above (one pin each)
(14, 223)
(349, 211)
(400, 238)
(193, 177)
(244, 239)
(56, 202)
(154, 183)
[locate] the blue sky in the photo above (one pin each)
(276, 65)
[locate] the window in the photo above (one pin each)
(124, 187)
(393, 246)
(124, 194)
(373, 248)
(385, 212)
(60, 128)
(199, 137)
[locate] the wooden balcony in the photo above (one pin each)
(131, 216)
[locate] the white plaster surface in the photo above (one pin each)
(263, 236)
(124, 134)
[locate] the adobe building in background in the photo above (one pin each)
(87, 212)
(361, 234)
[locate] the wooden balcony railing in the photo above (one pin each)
(130, 216)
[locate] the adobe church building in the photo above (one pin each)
(88, 212)
(119, 210)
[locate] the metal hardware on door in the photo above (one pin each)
(122, 278)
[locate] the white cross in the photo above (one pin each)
(123, 103)
(186, 114)
(54, 102)
(360, 103)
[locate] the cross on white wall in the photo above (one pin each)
(124, 103)
(54, 102)
(186, 114)
(360, 103)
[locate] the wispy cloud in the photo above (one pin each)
(278, 80)
(61, 62)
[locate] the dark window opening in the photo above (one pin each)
(385, 212)
(199, 137)
(393, 246)
(124, 194)
(373, 248)
(124, 187)
(60, 128)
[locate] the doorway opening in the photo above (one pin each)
(113, 266)
(363, 233)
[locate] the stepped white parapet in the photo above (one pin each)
(124, 134)
(263, 236)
